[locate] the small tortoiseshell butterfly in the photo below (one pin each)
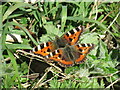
(70, 55)
(69, 38)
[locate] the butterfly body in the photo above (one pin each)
(59, 42)
(70, 55)
(69, 38)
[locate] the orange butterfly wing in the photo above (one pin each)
(83, 49)
(58, 56)
(43, 49)
(70, 38)
(73, 36)
(69, 55)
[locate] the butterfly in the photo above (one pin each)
(70, 55)
(69, 38)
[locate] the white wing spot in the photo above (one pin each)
(47, 56)
(74, 30)
(69, 33)
(56, 51)
(86, 45)
(91, 44)
(38, 47)
(33, 49)
(51, 54)
(83, 50)
(58, 57)
(79, 27)
(80, 45)
(45, 45)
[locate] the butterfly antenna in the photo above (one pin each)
(50, 38)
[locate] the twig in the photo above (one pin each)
(4, 60)
(30, 26)
(112, 83)
(106, 16)
(51, 69)
(38, 83)
(106, 75)
(24, 53)
(114, 20)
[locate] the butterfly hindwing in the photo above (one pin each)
(59, 57)
(70, 55)
(69, 38)
(83, 50)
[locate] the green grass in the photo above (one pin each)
(99, 19)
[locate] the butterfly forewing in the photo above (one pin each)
(43, 49)
(73, 36)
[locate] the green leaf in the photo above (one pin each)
(88, 20)
(13, 60)
(11, 9)
(63, 17)
(90, 38)
(103, 52)
(18, 46)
